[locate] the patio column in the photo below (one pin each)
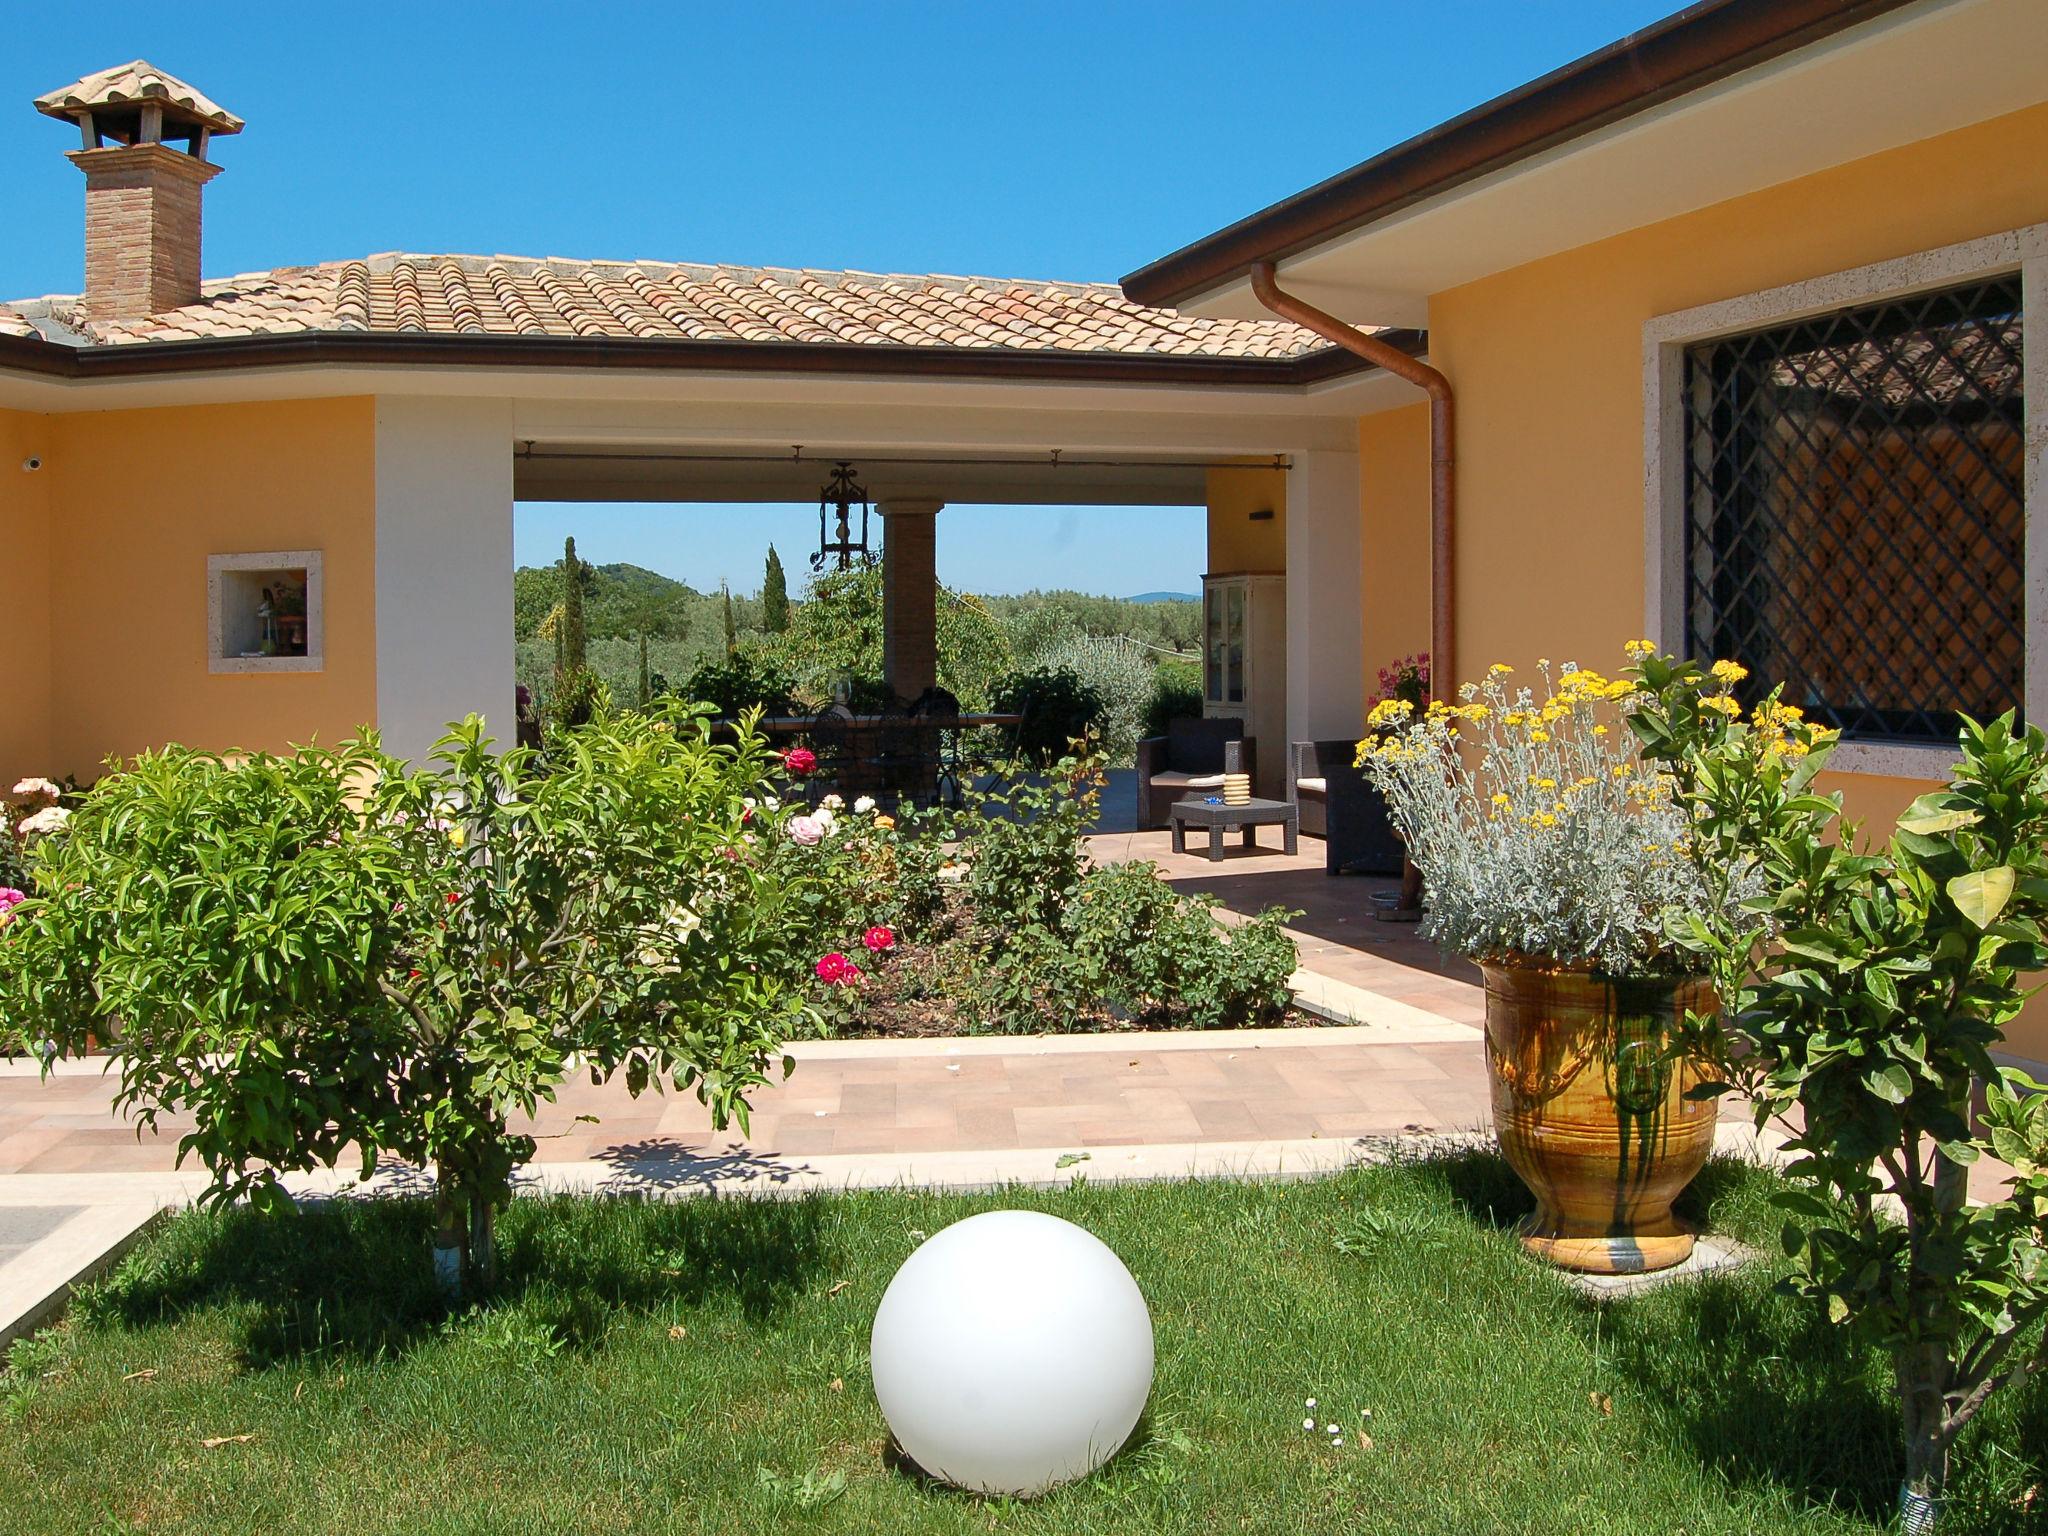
(910, 582)
(443, 569)
(1326, 668)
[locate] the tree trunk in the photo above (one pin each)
(1925, 1375)
(450, 1236)
(483, 1242)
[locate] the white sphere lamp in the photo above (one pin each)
(1011, 1353)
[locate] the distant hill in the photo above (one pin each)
(1165, 597)
(621, 597)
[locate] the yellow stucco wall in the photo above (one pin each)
(1236, 543)
(24, 599)
(1393, 459)
(136, 501)
(1547, 364)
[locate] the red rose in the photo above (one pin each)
(836, 970)
(879, 938)
(800, 761)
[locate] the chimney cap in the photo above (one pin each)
(130, 87)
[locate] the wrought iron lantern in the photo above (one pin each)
(835, 539)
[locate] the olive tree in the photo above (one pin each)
(330, 953)
(1863, 1015)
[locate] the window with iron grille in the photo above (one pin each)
(1854, 510)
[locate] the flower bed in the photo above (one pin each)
(992, 920)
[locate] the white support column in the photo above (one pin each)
(910, 583)
(444, 568)
(1325, 648)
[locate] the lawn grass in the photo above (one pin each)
(700, 1366)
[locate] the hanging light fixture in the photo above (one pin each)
(836, 540)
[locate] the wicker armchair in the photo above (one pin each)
(1337, 803)
(1191, 758)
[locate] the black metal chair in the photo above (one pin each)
(938, 710)
(1191, 758)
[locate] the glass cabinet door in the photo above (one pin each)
(1233, 644)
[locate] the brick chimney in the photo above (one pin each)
(141, 194)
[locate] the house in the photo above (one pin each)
(1716, 336)
(1730, 323)
(248, 511)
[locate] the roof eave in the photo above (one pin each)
(1685, 52)
(48, 359)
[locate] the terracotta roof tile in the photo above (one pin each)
(648, 300)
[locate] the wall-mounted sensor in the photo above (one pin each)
(31, 464)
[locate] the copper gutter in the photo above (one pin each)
(1443, 484)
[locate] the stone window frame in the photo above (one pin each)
(1666, 338)
(308, 560)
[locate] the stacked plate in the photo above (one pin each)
(1237, 789)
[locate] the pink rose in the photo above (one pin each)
(36, 789)
(806, 830)
(10, 898)
(879, 938)
(800, 761)
(836, 970)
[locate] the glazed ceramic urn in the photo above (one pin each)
(1591, 1111)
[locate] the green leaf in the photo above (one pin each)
(1982, 894)
(1931, 822)
(1893, 1084)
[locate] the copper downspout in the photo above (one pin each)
(1442, 477)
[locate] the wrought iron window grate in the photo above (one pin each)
(1855, 514)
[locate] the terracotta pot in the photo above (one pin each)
(1591, 1113)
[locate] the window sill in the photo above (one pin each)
(1898, 760)
(248, 664)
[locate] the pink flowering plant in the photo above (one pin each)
(1405, 681)
(332, 953)
(33, 809)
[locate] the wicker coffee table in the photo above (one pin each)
(1218, 818)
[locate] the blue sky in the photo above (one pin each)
(1048, 141)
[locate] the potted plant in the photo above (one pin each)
(1552, 850)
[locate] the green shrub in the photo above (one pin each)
(576, 697)
(1060, 708)
(1024, 842)
(1119, 673)
(742, 681)
(1128, 947)
(332, 953)
(1176, 695)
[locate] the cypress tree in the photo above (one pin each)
(732, 632)
(774, 596)
(574, 637)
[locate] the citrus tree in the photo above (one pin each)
(328, 954)
(1862, 1013)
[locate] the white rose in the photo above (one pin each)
(50, 818)
(864, 806)
(833, 803)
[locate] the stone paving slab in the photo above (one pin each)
(62, 1243)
